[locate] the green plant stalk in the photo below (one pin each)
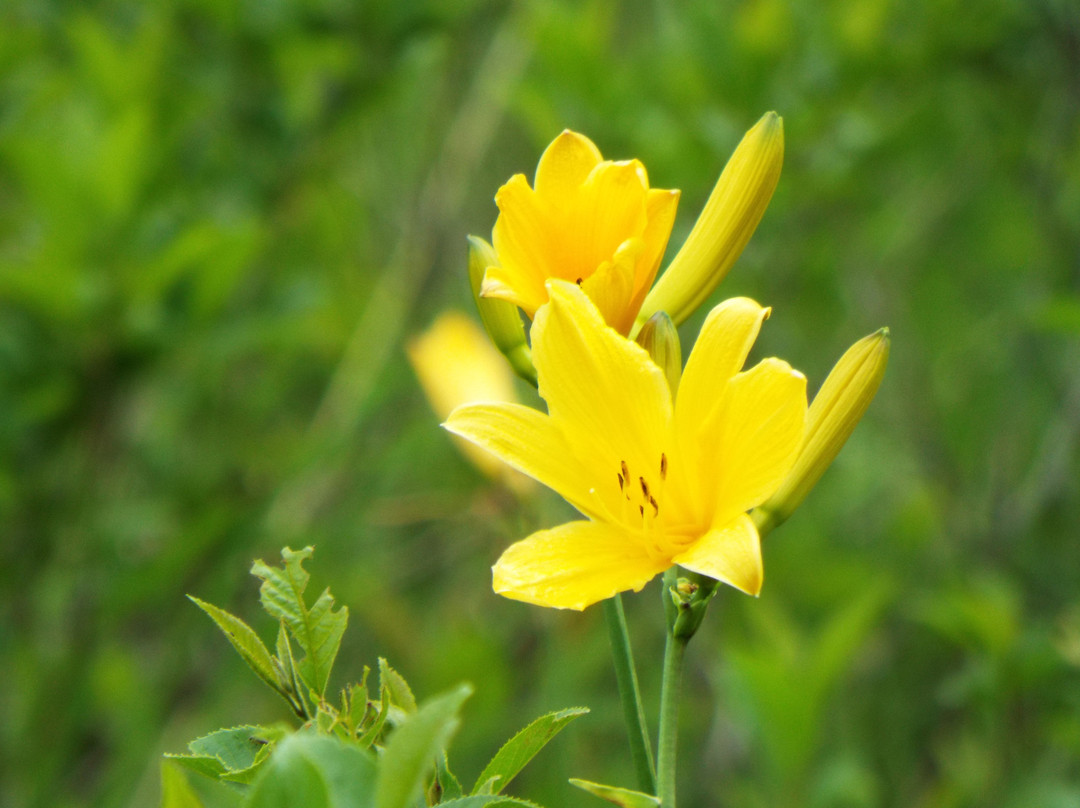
(674, 652)
(630, 693)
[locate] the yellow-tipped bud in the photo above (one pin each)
(836, 409)
(724, 227)
(456, 365)
(501, 318)
(661, 339)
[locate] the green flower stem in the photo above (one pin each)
(674, 652)
(626, 678)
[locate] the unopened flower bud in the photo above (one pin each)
(836, 409)
(661, 339)
(500, 318)
(724, 227)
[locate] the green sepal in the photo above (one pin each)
(318, 629)
(620, 796)
(523, 747)
(414, 746)
(686, 600)
(501, 319)
(246, 642)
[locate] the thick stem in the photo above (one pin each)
(674, 652)
(630, 694)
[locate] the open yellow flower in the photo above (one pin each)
(597, 223)
(661, 481)
(589, 221)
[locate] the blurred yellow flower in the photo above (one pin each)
(662, 479)
(589, 221)
(597, 223)
(456, 364)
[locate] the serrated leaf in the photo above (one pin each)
(358, 702)
(236, 747)
(315, 771)
(176, 792)
(448, 783)
(206, 765)
(524, 746)
(488, 786)
(318, 629)
(371, 734)
(401, 694)
(245, 641)
(620, 796)
(296, 696)
(489, 801)
(414, 747)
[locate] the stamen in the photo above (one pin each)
(641, 510)
(655, 506)
(622, 482)
(579, 280)
(644, 487)
(663, 466)
(625, 469)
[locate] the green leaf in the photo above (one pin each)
(231, 754)
(296, 695)
(245, 641)
(315, 771)
(318, 629)
(176, 792)
(489, 801)
(371, 734)
(523, 747)
(620, 796)
(414, 747)
(401, 694)
(448, 783)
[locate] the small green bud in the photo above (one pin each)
(660, 338)
(836, 409)
(501, 319)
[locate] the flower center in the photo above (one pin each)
(642, 492)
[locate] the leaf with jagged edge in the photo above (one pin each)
(246, 642)
(489, 801)
(317, 629)
(232, 754)
(414, 747)
(620, 796)
(449, 785)
(371, 734)
(296, 696)
(523, 747)
(401, 694)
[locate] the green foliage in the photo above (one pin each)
(330, 762)
(620, 796)
(318, 629)
(523, 747)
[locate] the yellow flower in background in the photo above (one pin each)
(456, 364)
(663, 480)
(588, 221)
(597, 223)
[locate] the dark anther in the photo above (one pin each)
(644, 487)
(625, 470)
(655, 506)
(622, 482)
(579, 280)
(641, 510)
(663, 466)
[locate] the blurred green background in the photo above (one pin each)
(219, 222)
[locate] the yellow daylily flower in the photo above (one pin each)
(456, 364)
(663, 479)
(587, 220)
(597, 223)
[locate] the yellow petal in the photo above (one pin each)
(526, 291)
(730, 217)
(574, 565)
(660, 206)
(725, 339)
(731, 554)
(565, 165)
(756, 434)
(612, 209)
(522, 236)
(528, 441)
(610, 400)
(611, 287)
